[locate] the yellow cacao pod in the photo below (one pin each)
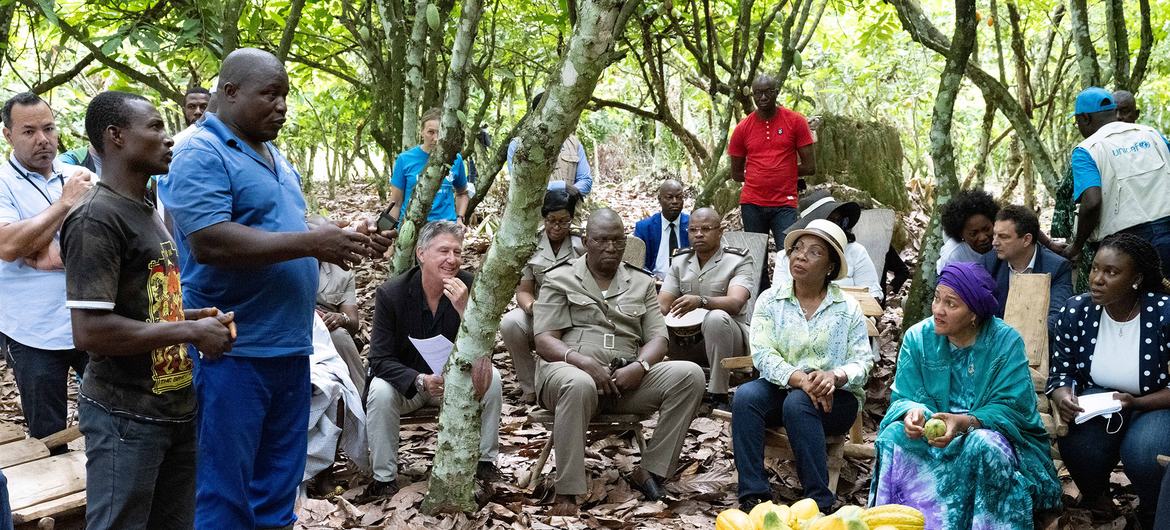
(896, 515)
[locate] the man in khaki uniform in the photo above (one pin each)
(591, 311)
(719, 280)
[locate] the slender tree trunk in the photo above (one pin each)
(415, 51)
(1118, 39)
(290, 29)
(942, 152)
(590, 50)
(7, 13)
(450, 137)
(232, 11)
(1086, 53)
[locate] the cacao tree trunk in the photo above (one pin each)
(415, 51)
(942, 152)
(591, 49)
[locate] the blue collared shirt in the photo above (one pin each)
(216, 178)
(32, 302)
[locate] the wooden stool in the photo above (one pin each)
(41, 486)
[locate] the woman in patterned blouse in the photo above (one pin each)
(810, 345)
(1116, 339)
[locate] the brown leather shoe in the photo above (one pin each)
(377, 491)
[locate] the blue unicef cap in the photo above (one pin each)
(1094, 99)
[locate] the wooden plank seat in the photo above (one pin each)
(41, 486)
(421, 416)
(776, 445)
(601, 425)
(1027, 311)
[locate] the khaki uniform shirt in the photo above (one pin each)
(545, 258)
(604, 326)
(335, 288)
(728, 266)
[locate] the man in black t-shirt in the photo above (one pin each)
(137, 405)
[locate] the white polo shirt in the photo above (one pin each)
(32, 302)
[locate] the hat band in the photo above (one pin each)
(813, 207)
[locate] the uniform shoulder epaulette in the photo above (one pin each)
(681, 251)
(736, 250)
(576, 232)
(639, 269)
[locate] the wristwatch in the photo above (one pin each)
(645, 365)
(703, 302)
(418, 383)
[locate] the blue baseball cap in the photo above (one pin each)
(1094, 99)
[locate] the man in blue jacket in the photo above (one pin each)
(666, 231)
(1015, 251)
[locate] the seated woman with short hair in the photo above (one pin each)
(991, 468)
(1115, 339)
(809, 342)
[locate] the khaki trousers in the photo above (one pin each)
(674, 389)
(384, 410)
(723, 337)
(516, 330)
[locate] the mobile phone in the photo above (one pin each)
(386, 220)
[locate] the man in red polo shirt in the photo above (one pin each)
(771, 149)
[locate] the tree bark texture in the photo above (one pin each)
(1118, 38)
(1086, 53)
(7, 14)
(290, 29)
(590, 51)
(415, 52)
(232, 10)
(942, 153)
(450, 138)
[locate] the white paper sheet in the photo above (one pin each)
(1101, 404)
(435, 351)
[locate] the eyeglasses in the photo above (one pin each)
(616, 242)
(561, 223)
(695, 229)
(810, 251)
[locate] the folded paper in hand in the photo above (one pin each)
(1102, 404)
(434, 351)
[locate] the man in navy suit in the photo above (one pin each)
(1015, 234)
(666, 231)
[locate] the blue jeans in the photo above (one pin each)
(1158, 234)
(760, 404)
(1090, 454)
(139, 475)
(764, 219)
(253, 440)
(5, 506)
(42, 376)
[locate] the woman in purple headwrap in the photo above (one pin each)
(991, 467)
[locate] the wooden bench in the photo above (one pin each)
(1027, 311)
(601, 424)
(40, 486)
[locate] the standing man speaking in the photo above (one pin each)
(245, 247)
(770, 150)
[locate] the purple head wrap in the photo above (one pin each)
(974, 285)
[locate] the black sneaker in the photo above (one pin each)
(377, 491)
(487, 472)
(647, 483)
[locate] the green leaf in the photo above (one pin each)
(462, 117)
(47, 8)
(111, 45)
(433, 17)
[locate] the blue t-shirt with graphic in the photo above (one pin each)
(407, 167)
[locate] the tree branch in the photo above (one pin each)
(1086, 53)
(290, 29)
(1147, 44)
(63, 77)
(1118, 43)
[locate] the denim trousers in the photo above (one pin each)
(1158, 234)
(42, 377)
(5, 506)
(761, 404)
(139, 474)
(1090, 453)
(765, 219)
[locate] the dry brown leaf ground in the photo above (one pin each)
(705, 484)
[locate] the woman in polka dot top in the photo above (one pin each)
(1116, 338)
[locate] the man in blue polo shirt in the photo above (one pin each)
(35, 194)
(245, 247)
(1121, 177)
(450, 202)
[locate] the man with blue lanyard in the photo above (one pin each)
(1121, 177)
(245, 247)
(35, 194)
